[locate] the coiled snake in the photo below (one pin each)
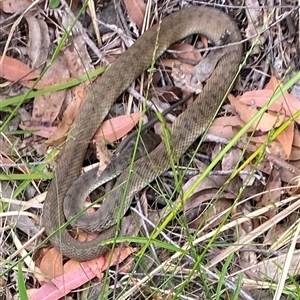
(185, 130)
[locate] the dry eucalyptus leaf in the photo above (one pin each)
(272, 268)
(266, 123)
(286, 104)
(78, 62)
(15, 70)
(214, 213)
(78, 58)
(285, 138)
(14, 6)
(115, 128)
(185, 53)
(79, 95)
(47, 107)
(38, 41)
(136, 11)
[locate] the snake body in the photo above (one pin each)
(89, 181)
(185, 130)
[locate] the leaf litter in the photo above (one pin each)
(259, 209)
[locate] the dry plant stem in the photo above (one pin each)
(279, 162)
(186, 128)
(250, 148)
(82, 31)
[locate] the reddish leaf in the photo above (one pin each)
(285, 103)
(76, 274)
(14, 6)
(136, 11)
(246, 113)
(42, 131)
(51, 263)
(285, 138)
(14, 70)
(117, 127)
(62, 285)
(187, 52)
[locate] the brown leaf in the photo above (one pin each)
(186, 53)
(51, 263)
(4, 159)
(47, 107)
(117, 127)
(64, 284)
(273, 192)
(231, 159)
(286, 103)
(79, 95)
(15, 70)
(206, 184)
(45, 132)
(232, 121)
(38, 41)
(246, 113)
(273, 267)
(118, 256)
(136, 11)
(213, 214)
(14, 6)
(221, 131)
(296, 140)
(78, 64)
(285, 138)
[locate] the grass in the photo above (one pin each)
(177, 275)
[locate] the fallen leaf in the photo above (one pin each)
(76, 274)
(266, 123)
(273, 267)
(4, 159)
(136, 11)
(185, 52)
(119, 255)
(42, 131)
(14, 6)
(79, 95)
(286, 103)
(64, 284)
(115, 128)
(15, 70)
(225, 132)
(47, 107)
(38, 41)
(296, 140)
(78, 65)
(51, 263)
(272, 193)
(214, 215)
(285, 138)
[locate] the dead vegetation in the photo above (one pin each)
(236, 235)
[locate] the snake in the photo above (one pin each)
(187, 127)
(89, 181)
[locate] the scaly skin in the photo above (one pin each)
(185, 130)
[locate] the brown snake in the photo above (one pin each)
(185, 130)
